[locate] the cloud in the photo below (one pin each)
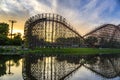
(38, 6)
(12, 9)
(84, 15)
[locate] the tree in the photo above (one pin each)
(4, 29)
(17, 40)
(3, 39)
(60, 40)
(104, 43)
(91, 40)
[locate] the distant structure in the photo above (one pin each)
(50, 30)
(12, 22)
(107, 35)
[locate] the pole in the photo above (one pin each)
(12, 22)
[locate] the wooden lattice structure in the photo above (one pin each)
(50, 30)
(108, 33)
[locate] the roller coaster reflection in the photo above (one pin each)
(39, 67)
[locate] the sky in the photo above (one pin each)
(83, 15)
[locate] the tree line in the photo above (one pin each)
(90, 41)
(101, 42)
(4, 36)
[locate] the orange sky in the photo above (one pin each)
(18, 26)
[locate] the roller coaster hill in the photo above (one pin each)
(53, 30)
(108, 36)
(45, 30)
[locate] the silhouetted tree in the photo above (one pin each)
(3, 39)
(104, 43)
(17, 40)
(4, 29)
(91, 40)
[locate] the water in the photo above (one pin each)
(60, 67)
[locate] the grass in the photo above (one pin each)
(73, 51)
(4, 50)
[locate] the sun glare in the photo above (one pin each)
(18, 31)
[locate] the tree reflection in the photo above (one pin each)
(5, 63)
(2, 67)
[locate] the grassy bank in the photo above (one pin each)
(74, 51)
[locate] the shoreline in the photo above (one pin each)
(66, 51)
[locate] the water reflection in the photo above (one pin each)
(10, 67)
(107, 66)
(38, 67)
(60, 67)
(7, 62)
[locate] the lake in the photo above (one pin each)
(60, 67)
